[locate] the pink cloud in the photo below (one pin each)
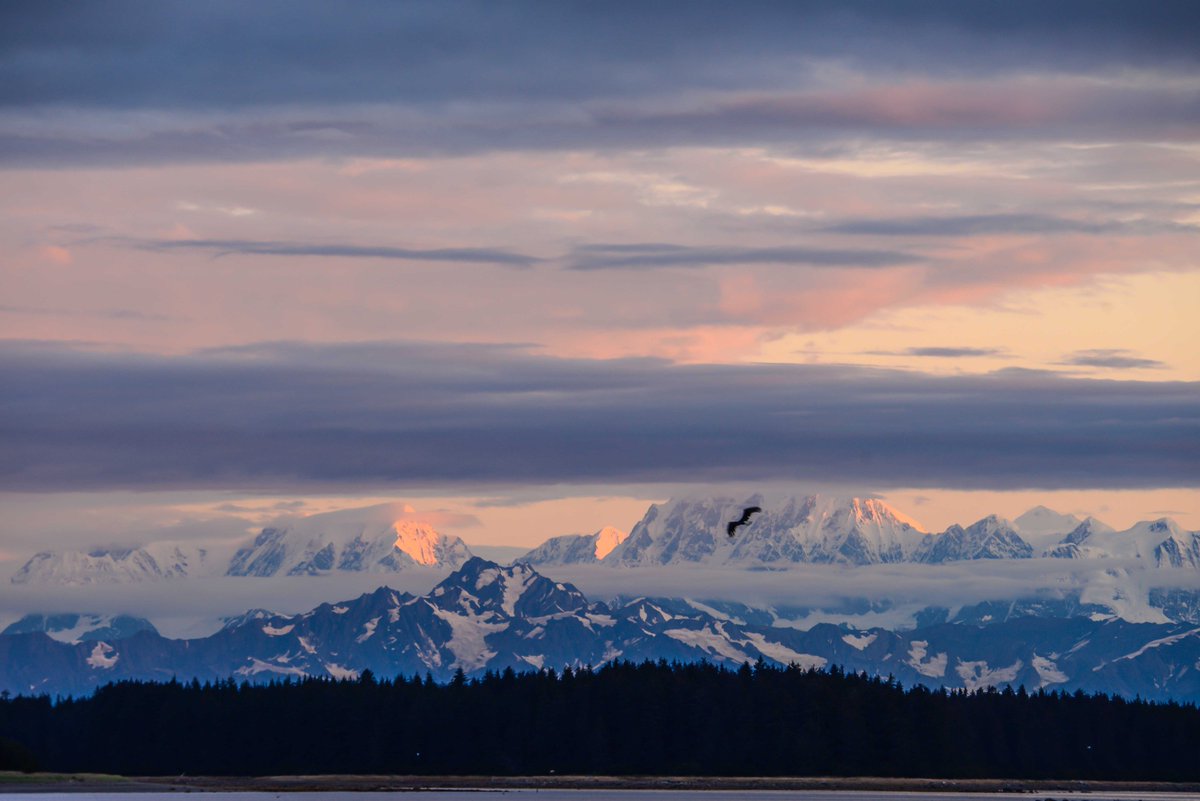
(56, 254)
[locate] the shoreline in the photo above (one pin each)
(100, 783)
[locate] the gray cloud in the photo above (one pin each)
(309, 417)
(941, 352)
(985, 224)
(224, 247)
(225, 54)
(236, 83)
(1112, 358)
(953, 353)
(786, 118)
(657, 255)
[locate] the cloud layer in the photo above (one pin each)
(314, 416)
(116, 83)
(121, 54)
(225, 247)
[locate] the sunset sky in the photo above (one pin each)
(530, 266)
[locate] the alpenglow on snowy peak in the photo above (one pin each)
(813, 528)
(576, 549)
(368, 540)
(374, 539)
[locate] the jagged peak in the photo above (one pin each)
(608, 538)
(1043, 521)
(422, 542)
(992, 522)
(819, 505)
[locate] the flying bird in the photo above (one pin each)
(745, 518)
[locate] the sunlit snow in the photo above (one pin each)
(707, 640)
(467, 641)
(977, 674)
(861, 641)
(1048, 671)
(933, 667)
(104, 656)
(257, 666)
(341, 673)
(368, 630)
(781, 653)
(1157, 644)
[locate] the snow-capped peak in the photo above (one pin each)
(810, 528)
(481, 587)
(1159, 542)
(575, 549)
(993, 537)
(608, 538)
(152, 562)
(377, 539)
(1042, 527)
(425, 546)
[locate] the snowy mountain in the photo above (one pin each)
(1043, 528)
(373, 540)
(153, 562)
(857, 531)
(488, 617)
(376, 539)
(1159, 542)
(575, 549)
(814, 528)
(990, 538)
(1069, 548)
(682, 532)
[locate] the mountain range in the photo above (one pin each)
(805, 529)
(1126, 621)
(488, 617)
(376, 539)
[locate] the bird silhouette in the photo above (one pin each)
(743, 520)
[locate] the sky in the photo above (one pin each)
(530, 267)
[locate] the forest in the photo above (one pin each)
(624, 718)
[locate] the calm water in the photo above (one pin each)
(618, 795)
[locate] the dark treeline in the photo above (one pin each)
(650, 718)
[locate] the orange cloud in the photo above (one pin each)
(55, 254)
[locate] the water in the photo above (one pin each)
(612, 795)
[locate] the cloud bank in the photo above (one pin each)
(224, 247)
(117, 83)
(658, 255)
(338, 416)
